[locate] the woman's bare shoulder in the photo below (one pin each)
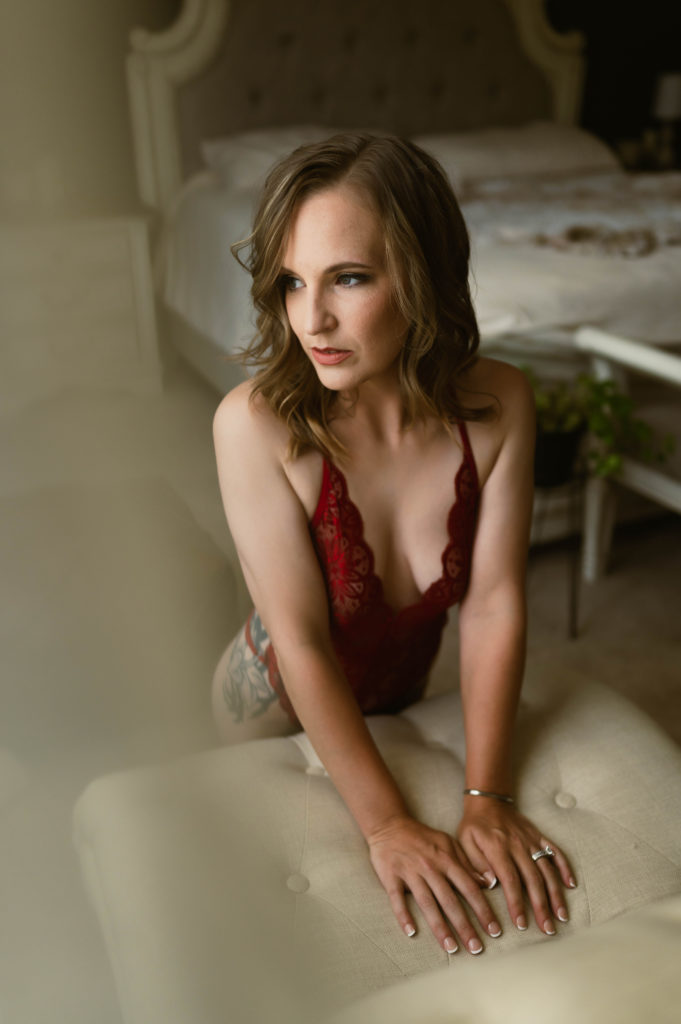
(499, 384)
(505, 390)
(247, 433)
(245, 419)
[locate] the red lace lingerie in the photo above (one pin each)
(386, 654)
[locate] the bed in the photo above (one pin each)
(561, 235)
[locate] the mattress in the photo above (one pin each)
(547, 257)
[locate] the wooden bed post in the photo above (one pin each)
(156, 65)
(557, 54)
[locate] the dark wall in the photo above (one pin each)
(628, 45)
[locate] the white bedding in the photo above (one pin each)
(604, 213)
(199, 277)
(520, 283)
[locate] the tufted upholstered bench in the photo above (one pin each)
(234, 886)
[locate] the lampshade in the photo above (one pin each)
(667, 102)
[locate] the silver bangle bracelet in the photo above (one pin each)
(495, 796)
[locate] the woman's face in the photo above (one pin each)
(338, 292)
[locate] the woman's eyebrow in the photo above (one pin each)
(346, 265)
(335, 267)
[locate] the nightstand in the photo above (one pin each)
(77, 306)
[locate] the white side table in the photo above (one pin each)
(77, 306)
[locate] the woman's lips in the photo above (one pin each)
(330, 356)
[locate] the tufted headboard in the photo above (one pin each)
(391, 65)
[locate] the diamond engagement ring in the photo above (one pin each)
(546, 852)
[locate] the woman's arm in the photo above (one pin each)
(270, 529)
(492, 624)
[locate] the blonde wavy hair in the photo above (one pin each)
(427, 254)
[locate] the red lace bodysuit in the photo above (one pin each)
(386, 654)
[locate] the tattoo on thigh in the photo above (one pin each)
(246, 688)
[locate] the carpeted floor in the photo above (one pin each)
(630, 621)
(117, 597)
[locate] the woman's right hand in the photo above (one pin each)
(410, 857)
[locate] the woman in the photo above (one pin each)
(369, 396)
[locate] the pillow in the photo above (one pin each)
(541, 147)
(243, 160)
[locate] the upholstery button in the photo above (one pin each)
(315, 769)
(298, 883)
(566, 800)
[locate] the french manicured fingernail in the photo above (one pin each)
(548, 927)
(572, 883)
(450, 946)
(475, 946)
(494, 929)
(409, 930)
(521, 923)
(562, 914)
(491, 879)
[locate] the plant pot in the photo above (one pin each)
(555, 456)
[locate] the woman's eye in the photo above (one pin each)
(291, 283)
(350, 280)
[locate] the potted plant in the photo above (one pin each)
(588, 424)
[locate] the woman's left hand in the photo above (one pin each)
(499, 840)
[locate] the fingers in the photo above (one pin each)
(441, 873)
(555, 891)
(563, 865)
(464, 884)
(445, 916)
(502, 842)
(522, 878)
(554, 871)
(439, 896)
(512, 884)
(411, 857)
(442, 909)
(536, 876)
(476, 864)
(541, 879)
(401, 911)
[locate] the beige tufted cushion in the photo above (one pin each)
(215, 876)
(625, 971)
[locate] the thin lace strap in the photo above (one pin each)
(323, 500)
(467, 449)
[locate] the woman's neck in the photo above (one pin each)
(374, 411)
(374, 417)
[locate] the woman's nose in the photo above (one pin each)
(318, 316)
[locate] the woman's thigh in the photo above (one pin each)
(245, 707)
